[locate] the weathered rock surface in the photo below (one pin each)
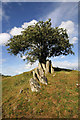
(40, 67)
(34, 75)
(21, 90)
(47, 67)
(43, 80)
(35, 87)
(39, 74)
(52, 70)
(44, 66)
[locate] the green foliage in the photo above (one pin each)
(40, 41)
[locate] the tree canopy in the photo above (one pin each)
(40, 41)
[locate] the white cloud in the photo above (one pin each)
(16, 31)
(69, 26)
(26, 24)
(71, 30)
(4, 37)
(25, 68)
(18, 72)
(63, 11)
(74, 40)
(65, 64)
(62, 57)
(30, 67)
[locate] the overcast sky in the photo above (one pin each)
(18, 15)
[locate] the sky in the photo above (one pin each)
(19, 15)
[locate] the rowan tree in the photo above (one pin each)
(40, 41)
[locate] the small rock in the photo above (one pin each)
(15, 108)
(78, 85)
(21, 90)
(54, 74)
(28, 100)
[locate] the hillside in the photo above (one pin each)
(59, 99)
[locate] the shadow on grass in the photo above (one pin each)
(61, 69)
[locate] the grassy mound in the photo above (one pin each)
(59, 99)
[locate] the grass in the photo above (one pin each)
(59, 99)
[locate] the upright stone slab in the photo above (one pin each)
(40, 67)
(40, 76)
(52, 70)
(34, 75)
(37, 73)
(44, 80)
(48, 67)
(35, 87)
(44, 66)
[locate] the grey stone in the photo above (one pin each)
(78, 85)
(43, 80)
(35, 87)
(40, 67)
(40, 76)
(28, 100)
(44, 66)
(37, 73)
(34, 75)
(21, 90)
(41, 73)
(54, 74)
(47, 66)
(52, 70)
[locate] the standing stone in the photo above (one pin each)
(41, 70)
(40, 67)
(21, 90)
(44, 80)
(35, 87)
(34, 75)
(48, 67)
(52, 70)
(37, 73)
(40, 76)
(44, 67)
(41, 73)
